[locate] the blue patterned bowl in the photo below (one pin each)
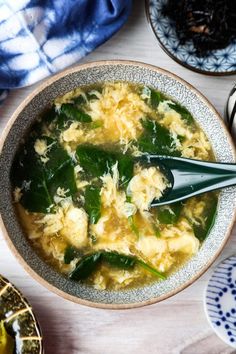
(220, 301)
(220, 62)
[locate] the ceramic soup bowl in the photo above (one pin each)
(92, 73)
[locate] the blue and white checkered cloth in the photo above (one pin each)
(40, 37)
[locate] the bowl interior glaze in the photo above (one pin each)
(174, 87)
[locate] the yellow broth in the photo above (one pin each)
(88, 195)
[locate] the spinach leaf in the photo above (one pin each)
(156, 231)
(209, 216)
(96, 124)
(49, 115)
(128, 199)
(40, 180)
(156, 139)
(36, 197)
(90, 94)
(150, 269)
(86, 266)
(156, 98)
(62, 122)
(69, 254)
(185, 114)
(26, 165)
(118, 260)
(169, 214)
(93, 203)
(95, 162)
(133, 226)
(57, 157)
(64, 178)
(79, 100)
(74, 113)
(125, 168)
(28, 174)
(59, 170)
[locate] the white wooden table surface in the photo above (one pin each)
(177, 325)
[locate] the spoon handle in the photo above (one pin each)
(197, 165)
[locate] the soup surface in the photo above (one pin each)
(83, 197)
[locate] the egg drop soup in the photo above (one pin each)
(84, 200)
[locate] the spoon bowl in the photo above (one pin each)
(188, 178)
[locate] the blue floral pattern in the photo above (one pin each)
(219, 62)
(220, 301)
(41, 37)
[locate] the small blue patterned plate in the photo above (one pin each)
(220, 62)
(220, 301)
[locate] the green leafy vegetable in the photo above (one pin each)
(156, 139)
(185, 114)
(125, 168)
(118, 260)
(201, 231)
(133, 227)
(128, 199)
(169, 214)
(74, 113)
(63, 178)
(28, 174)
(57, 157)
(49, 115)
(156, 231)
(96, 124)
(79, 100)
(93, 238)
(156, 98)
(88, 264)
(39, 180)
(91, 95)
(181, 138)
(150, 269)
(62, 122)
(6, 341)
(36, 197)
(93, 203)
(95, 162)
(70, 254)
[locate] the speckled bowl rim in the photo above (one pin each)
(230, 146)
(26, 301)
(177, 60)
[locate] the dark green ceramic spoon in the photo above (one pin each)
(190, 177)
